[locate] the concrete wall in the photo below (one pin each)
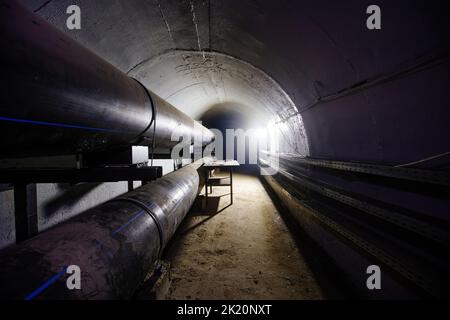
(351, 262)
(57, 203)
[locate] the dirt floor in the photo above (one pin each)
(242, 251)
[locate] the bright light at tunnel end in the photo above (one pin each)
(253, 146)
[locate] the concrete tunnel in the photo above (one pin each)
(353, 175)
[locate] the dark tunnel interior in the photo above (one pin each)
(315, 145)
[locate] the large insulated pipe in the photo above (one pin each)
(60, 98)
(115, 244)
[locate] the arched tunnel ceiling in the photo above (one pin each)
(197, 81)
(312, 49)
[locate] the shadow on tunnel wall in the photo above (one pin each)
(68, 196)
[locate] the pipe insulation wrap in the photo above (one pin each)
(115, 244)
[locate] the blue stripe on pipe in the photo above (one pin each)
(140, 213)
(99, 244)
(63, 125)
(46, 284)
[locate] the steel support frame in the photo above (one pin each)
(409, 174)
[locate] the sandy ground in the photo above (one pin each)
(243, 251)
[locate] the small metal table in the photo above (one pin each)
(220, 164)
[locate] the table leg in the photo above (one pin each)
(206, 188)
(231, 184)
